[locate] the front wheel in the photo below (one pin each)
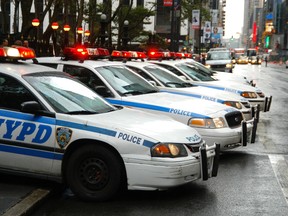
(94, 173)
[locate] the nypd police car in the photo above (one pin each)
(253, 94)
(54, 127)
(220, 75)
(215, 122)
(166, 81)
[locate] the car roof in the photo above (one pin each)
(140, 63)
(91, 63)
(22, 68)
(170, 62)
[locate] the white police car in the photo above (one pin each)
(220, 75)
(215, 122)
(166, 81)
(52, 126)
(253, 94)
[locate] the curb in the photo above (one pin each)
(25, 205)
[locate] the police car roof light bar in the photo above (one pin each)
(127, 55)
(75, 53)
(17, 53)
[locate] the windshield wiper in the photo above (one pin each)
(151, 91)
(133, 92)
(80, 112)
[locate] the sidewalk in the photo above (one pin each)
(19, 199)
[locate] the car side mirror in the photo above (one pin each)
(30, 107)
(152, 82)
(103, 91)
(183, 78)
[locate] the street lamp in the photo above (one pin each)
(103, 18)
(79, 32)
(35, 24)
(66, 29)
(125, 34)
(54, 26)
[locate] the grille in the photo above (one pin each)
(194, 147)
(234, 118)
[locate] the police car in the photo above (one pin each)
(220, 75)
(54, 127)
(253, 94)
(166, 81)
(215, 122)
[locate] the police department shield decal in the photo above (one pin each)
(63, 136)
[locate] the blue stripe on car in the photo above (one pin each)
(204, 97)
(31, 152)
(154, 107)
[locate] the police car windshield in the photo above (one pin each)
(67, 95)
(201, 67)
(124, 81)
(167, 79)
(194, 73)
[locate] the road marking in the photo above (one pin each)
(280, 167)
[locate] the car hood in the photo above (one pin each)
(174, 104)
(227, 86)
(155, 128)
(205, 93)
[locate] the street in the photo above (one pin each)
(252, 180)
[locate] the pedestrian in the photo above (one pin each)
(4, 43)
(26, 43)
(203, 60)
(17, 43)
(266, 61)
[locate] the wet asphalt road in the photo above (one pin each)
(252, 180)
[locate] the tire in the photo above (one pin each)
(94, 173)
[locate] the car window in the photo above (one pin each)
(89, 78)
(13, 93)
(194, 73)
(67, 95)
(172, 69)
(124, 81)
(141, 73)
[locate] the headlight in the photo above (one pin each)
(208, 66)
(229, 65)
(207, 123)
(249, 94)
(168, 150)
(233, 104)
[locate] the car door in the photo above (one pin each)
(27, 141)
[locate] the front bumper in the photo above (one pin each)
(265, 103)
(230, 138)
(164, 173)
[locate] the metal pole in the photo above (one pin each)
(172, 26)
(200, 30)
